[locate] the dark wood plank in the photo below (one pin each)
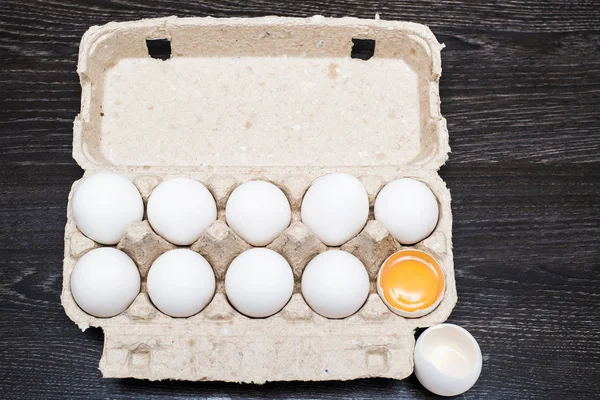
(521, 92)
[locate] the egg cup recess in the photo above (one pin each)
(151, 134)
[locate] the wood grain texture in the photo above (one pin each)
(521, 92)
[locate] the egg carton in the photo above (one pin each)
(284, 100)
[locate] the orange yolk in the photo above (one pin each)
(411, 280)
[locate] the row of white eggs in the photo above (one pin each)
(335, 208)
(181, 283)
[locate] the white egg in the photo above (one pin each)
(104, 205)
(180, 209)
(181, 283)
(335, 284)
(258, 212)
(105, 282)
(259, 283)
(447, 360)
(408, 209)
(335, 208)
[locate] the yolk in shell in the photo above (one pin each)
(411, 281)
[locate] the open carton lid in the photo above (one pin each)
(259, 94)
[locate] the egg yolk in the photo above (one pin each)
(411, 280)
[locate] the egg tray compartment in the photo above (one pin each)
(281, 99)
(142, 342)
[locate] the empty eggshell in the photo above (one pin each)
(259, 282)
(447, 360)
(335, 284)
(181, 283)
(180, 209)
(105, 282)
(104, 205)
(258, 212)
(408, 209)
(335, 208)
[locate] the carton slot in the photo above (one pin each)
(159, 48)
(363, 49)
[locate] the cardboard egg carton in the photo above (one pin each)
(280, 99)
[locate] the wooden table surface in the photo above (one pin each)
(521, 93)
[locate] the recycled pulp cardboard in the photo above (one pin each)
(279, 99)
